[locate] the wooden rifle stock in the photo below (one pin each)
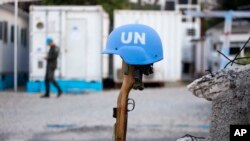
(122, 103)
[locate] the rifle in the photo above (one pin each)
(132, 78)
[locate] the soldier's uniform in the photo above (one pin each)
(50, 70)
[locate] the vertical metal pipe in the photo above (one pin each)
(15, 48)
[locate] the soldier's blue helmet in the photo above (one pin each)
(48, 40)
(137, 44)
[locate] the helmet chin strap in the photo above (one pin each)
(139, 71)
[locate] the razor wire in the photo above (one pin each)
(234, 61)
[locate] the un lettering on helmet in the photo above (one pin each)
(133, 37)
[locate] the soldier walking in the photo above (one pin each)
(51, 59)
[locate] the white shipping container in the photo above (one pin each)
(169, 27)
(79, 32)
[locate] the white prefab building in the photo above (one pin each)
(215, 37)
(79, 31)
(7, 28)
(175, 31)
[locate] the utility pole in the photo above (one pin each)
(15, 48)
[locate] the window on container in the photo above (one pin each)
(12, 31)
(5, 32)
(24, 37)
(40, 25)
(191, 32)
(193, 20)
(170, 5)
(186, 68)
(25, 41)
(183, 1)
(234, 50)
(187, 1)
(194, 2)
(1, 30)
(18, 36)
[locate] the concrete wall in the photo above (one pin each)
(229, 92)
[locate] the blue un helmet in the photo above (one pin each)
(48, 40)
(137, 44)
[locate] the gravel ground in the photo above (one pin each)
(161, 114)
